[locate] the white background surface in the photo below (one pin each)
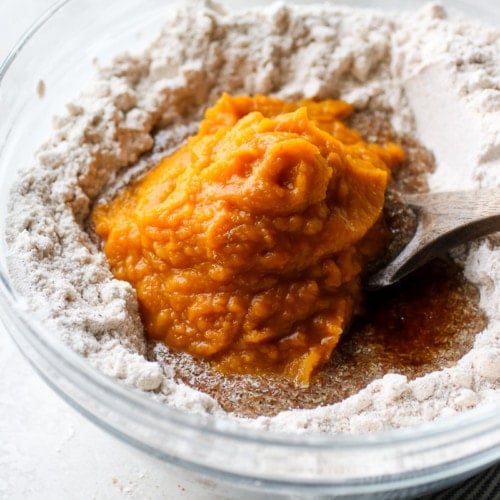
(47, 450)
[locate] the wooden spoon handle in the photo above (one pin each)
(445, 220)
(442, 212)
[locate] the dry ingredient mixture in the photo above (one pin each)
(432, 77)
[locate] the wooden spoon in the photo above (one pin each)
(444, 221)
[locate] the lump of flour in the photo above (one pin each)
(436, 78)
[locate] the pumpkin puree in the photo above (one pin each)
(246, 245)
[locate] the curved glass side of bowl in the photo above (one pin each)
(251, 461)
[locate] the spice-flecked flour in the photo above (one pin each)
(437, 78)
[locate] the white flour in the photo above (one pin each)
(438, 78)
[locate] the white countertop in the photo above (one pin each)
(47, 449)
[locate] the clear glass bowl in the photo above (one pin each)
(235, 462)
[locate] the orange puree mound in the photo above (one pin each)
(246, 245)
